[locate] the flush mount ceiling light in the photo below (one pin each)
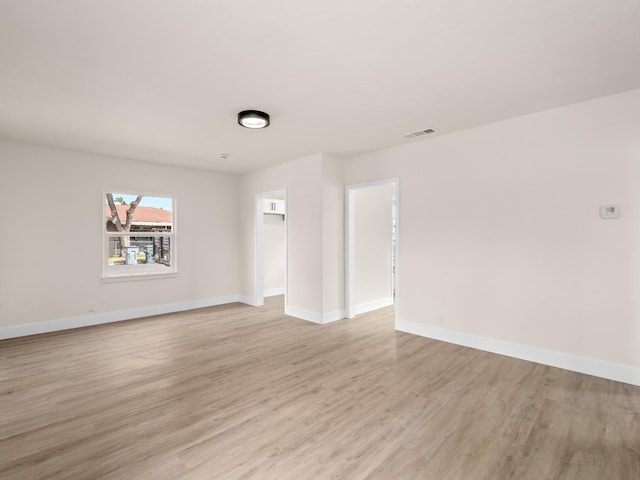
(253, 119)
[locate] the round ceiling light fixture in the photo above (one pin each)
(253, 119)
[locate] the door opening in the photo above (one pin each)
(372, 236)
(271, 246)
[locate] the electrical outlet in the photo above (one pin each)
(92, 307)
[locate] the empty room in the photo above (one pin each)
(316, 240)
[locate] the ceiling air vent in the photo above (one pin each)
(420, 133)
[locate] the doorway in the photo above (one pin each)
(372, 248)
(271, 245)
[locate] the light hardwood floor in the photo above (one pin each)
(236, 392)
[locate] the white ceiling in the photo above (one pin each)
(163, 80)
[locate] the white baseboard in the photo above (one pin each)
(307, 315)
(375, 305)
(589, 366)
(13, 331)
(329, 317)
(272, 292)
(315, 317)
(253, 301)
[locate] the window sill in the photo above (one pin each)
(134, 277)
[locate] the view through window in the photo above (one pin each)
(139, 235)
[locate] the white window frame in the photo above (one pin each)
(172, 270)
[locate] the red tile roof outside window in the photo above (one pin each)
(143, 215)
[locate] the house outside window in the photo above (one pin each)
(139, 235)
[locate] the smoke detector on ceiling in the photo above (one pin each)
(420, 133)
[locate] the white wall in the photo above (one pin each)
(315, 276)
(372, 246)
(500, 236)
(302, 180)
(332, 237)
(274, 254)
(52, 242)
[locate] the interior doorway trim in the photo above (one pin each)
(258, 286)
(350, 253)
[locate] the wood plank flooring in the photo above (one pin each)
(236, 392)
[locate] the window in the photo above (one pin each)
(139, 235)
